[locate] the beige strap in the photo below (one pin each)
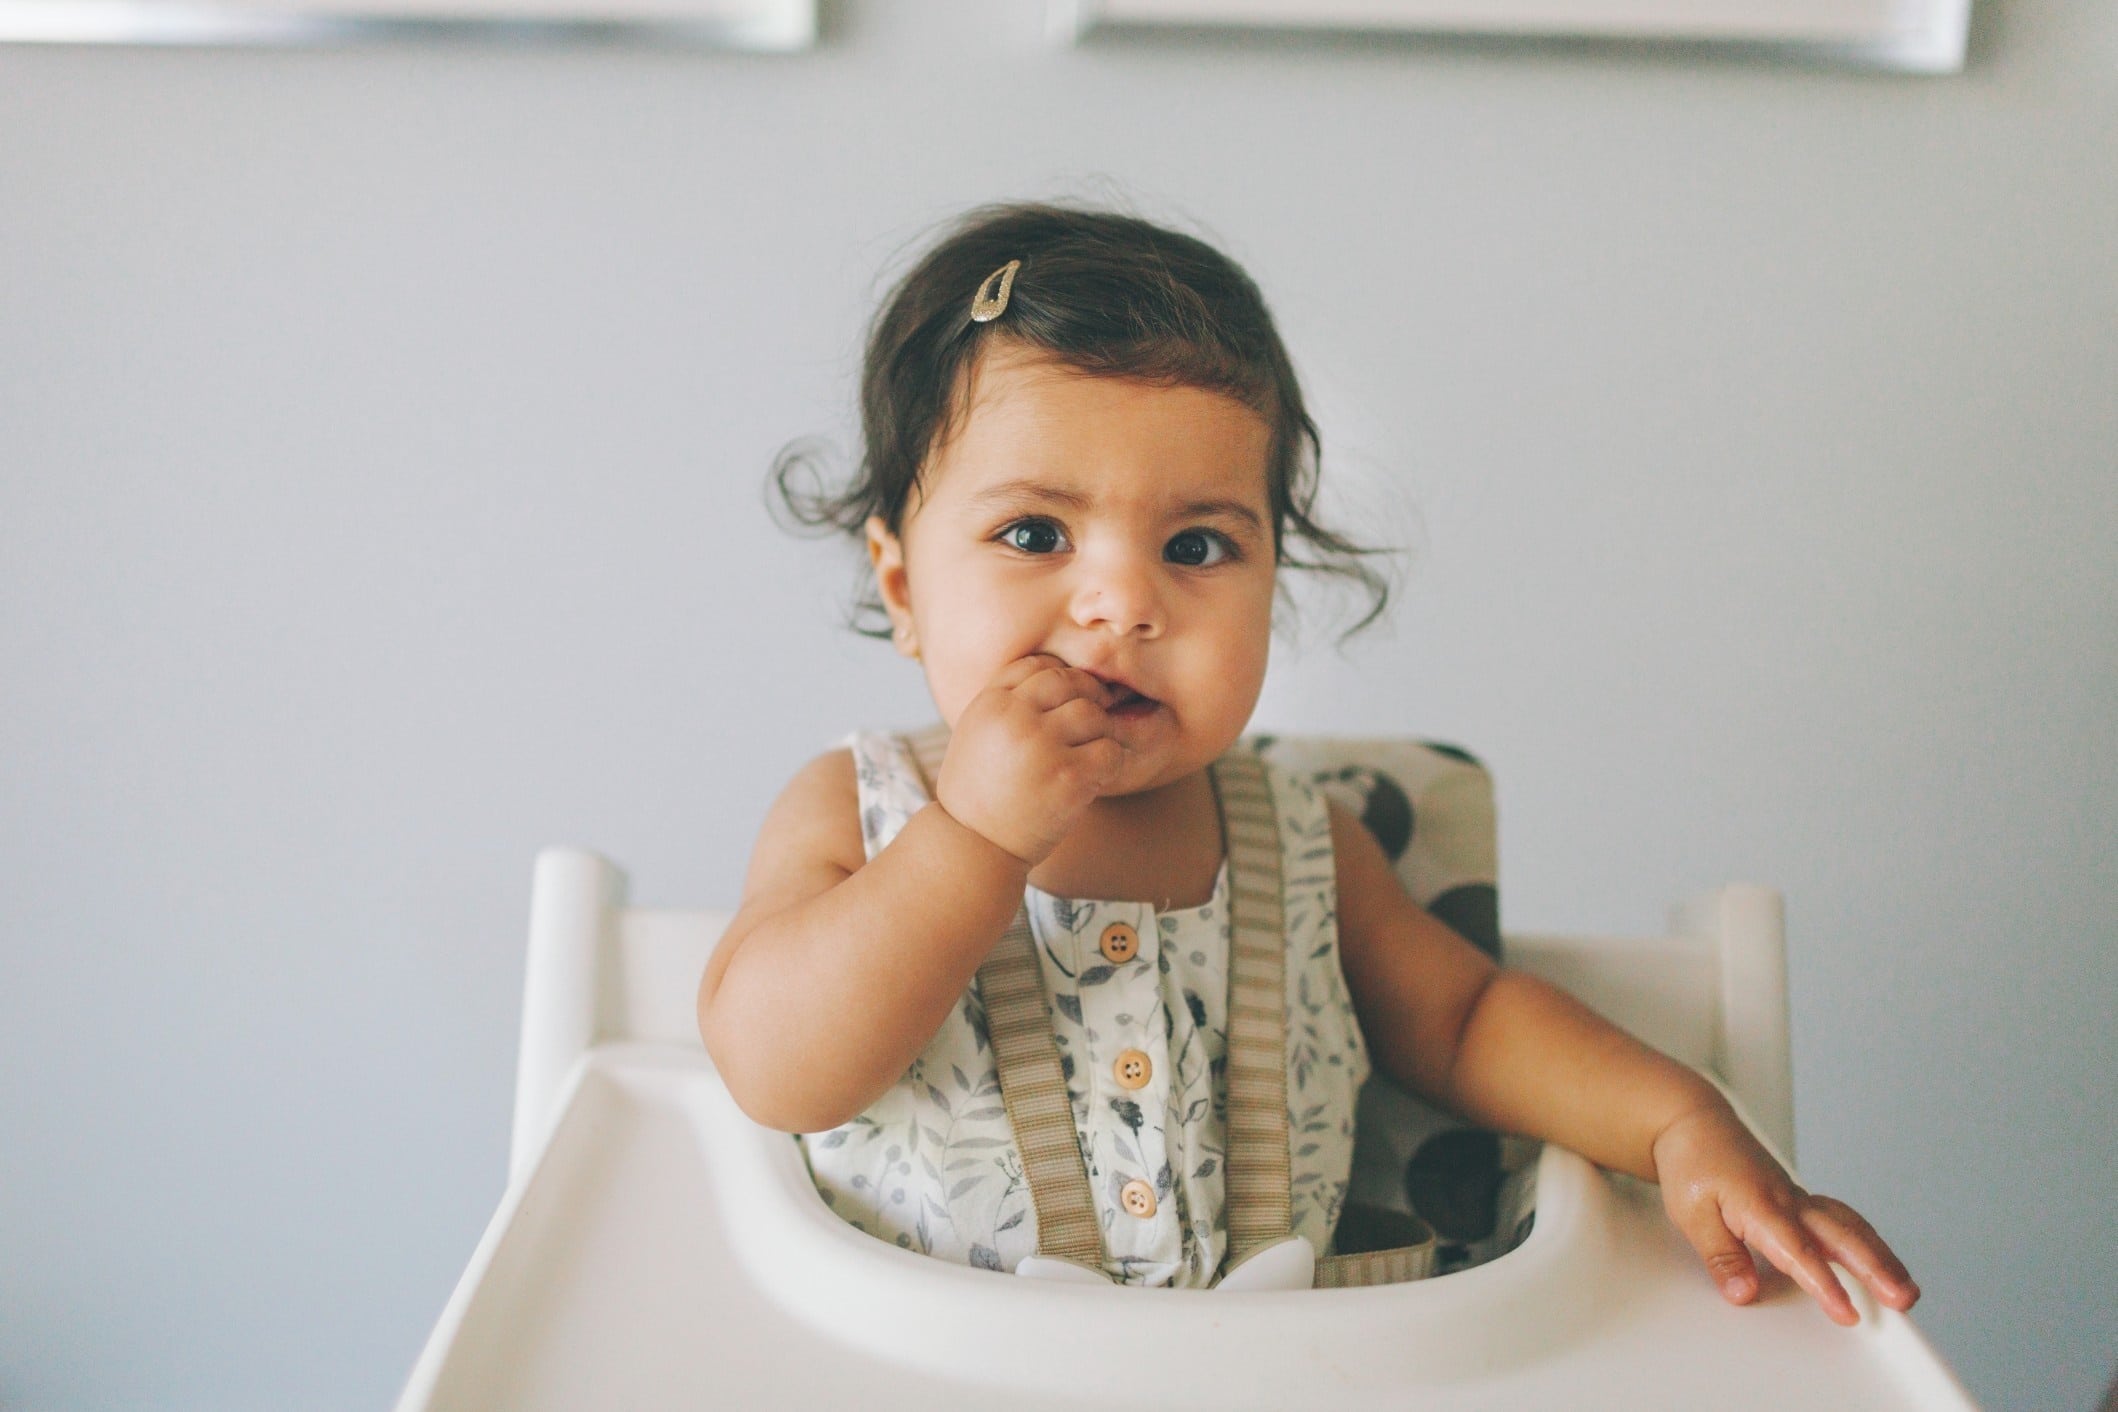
(1260, 1178)
(1259, 1182)
(1032, 1085)
(1376, 1267)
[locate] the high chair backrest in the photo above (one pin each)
(1711, 994)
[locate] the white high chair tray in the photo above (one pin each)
(664, 1252)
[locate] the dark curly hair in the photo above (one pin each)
(1107, 294)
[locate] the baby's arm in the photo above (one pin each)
(835, 973)
(1511, 1052)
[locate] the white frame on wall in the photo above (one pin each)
(761, 25)
(1917, 36)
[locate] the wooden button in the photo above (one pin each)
(1120, 943)
(1133, 1069)
(1138, 1198)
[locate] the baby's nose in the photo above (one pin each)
(1119, 595)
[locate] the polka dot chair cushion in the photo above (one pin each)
(1431, 808)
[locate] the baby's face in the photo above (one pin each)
(1121, 527)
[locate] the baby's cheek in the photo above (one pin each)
(955, 683)
(948, 701)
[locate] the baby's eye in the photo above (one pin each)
(1198, 549)
(1034, 537)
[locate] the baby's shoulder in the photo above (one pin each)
(850, 801)
(817, 814)
(829, 778)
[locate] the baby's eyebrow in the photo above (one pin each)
(1011, 493)
(1233, 509)
(1014, 492)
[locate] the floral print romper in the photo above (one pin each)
(932, 1164)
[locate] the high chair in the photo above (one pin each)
(654, 1248)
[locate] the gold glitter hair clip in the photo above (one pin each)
(991, 300)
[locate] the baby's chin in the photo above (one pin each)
(1155, 760)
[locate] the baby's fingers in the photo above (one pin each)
(1853, 1243)
(1726, 1257)
(1020, 670)
(1058, 684)
(1786, 1242)
(1079, 720)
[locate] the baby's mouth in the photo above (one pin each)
(1128, 704)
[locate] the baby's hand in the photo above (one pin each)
(1028, 755)
(1723, 1189)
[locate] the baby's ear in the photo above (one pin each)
(886, 552)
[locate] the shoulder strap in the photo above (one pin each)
(1032, 1086)
(1260, 1208)
(1260, 1180)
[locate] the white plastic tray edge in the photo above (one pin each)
(870, 1304)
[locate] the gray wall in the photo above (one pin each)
(381, 433)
